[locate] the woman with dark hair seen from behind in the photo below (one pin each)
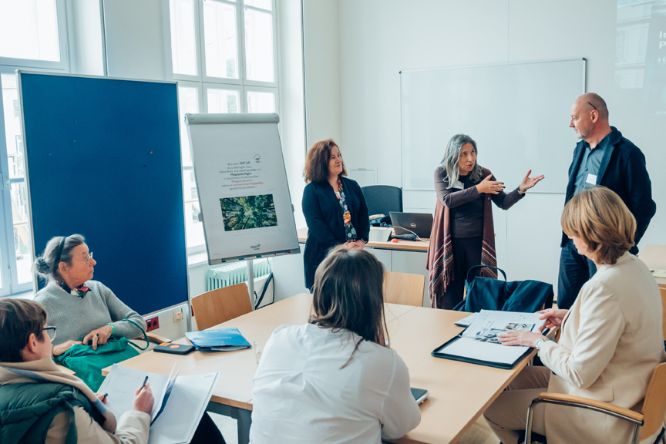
(610, 339)
(335, 380)
(462, 232)
(85, 311)
(333, 206)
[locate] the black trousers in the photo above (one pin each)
(575, 270)
(466, 254)
(207, 432)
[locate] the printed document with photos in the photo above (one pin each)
(479, 342)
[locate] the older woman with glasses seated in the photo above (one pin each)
(83, 310)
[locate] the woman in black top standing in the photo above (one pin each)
(462, 233)
(333, 206)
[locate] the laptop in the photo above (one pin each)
(418, 223)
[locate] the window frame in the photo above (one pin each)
(202, 82)
(9, 66)
(63, 44)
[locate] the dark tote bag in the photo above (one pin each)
(484, 293)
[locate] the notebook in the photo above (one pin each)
(180, 400)
(221, 339)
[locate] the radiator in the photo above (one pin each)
(236, 273)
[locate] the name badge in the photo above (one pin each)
(591, 179)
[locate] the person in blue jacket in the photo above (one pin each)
(602, 157)
(333, 206)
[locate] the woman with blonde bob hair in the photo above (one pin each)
(610, 341)
(335, 380)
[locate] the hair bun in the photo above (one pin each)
(41, 266)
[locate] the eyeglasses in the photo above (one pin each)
(593, 107)
(87, 257)
(51, 331)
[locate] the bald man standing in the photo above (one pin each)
(602, 157)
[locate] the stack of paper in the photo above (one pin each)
(222, 339)
(180, 400)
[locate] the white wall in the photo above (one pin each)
(378, 38)
(321, 54)
(135, 33)
(85, 37)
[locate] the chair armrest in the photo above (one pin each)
(157, 339)
(592, 404)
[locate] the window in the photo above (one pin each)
(32, 36)
(223, 55)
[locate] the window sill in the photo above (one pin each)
(197, 259)
(22, 295)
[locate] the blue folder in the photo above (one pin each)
(222, 339)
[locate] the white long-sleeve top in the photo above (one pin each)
(302, 395)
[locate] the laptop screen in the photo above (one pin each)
(418, 223)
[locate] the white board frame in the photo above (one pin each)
(544, 120)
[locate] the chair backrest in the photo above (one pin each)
(403, 288)
(220, 305)
(654, 405)
(382, 199)
(486, 293)
(662, 290)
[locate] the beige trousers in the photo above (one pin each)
(508, 413)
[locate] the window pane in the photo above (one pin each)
(12, 119)
(193, 226)
(263, 4)
(188, 102)
(22, 237)
(220, 40)
(29, 29)
(183, 37)
(260, 102)
(223, 100)
(259, 45)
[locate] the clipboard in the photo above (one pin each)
(446, 351)
(479, 343)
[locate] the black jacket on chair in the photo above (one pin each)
(326, 229)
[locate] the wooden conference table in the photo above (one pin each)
(459, 392)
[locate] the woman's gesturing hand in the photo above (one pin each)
(528, 182)
(488, 186)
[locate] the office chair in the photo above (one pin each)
(403, 288)
(381, 199)
(217, 306)
(647, 421)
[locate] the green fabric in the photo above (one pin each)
(27, 410)
(88, 363)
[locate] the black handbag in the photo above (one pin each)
(484, 293)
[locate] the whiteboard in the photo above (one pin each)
(242, 185)
(518, 114)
